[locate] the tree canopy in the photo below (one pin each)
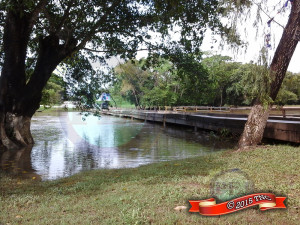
(37, 36)
(53, 32)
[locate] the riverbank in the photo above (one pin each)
(149, 194)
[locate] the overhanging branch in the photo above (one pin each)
(119, 50)
(65, 15)
(268, 15)
(35, 13)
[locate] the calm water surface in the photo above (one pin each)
(70, 142)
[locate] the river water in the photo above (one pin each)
(69, 142)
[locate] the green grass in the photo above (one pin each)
(124, 104)
(149, 194)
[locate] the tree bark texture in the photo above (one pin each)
(254, 127)
(257, 119)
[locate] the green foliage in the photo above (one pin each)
(220, 69)
(289, 92)
(256, 83)
(192, 79)
(215, 80)
(286, 97)
(180, 82)
(114, 27)
(53, 93)
(92, 31)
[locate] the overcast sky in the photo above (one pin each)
(255, 36)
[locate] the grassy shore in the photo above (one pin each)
(149, 194)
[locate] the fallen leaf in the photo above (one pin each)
(180, 208)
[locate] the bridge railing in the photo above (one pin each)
(286, 109)
(283, 111)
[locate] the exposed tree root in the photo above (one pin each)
(15, 131)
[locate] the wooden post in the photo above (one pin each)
(283, 113)
(164, 121)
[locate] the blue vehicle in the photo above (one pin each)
(104, 105)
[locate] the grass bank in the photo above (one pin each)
(149, 194)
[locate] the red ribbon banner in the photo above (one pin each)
(209, 207)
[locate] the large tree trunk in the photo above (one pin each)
(17, 111)
(12, 80)
(19, 128)
(257, 119)
(254, 127)
(19, 100)
(5, 141)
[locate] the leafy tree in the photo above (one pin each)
(53, 91)
(289, 92)
(291, 83)
(192, 77)
(40, 35)
(286, 97)
(161, 89)
(132, 80)
(219, 70)
(257, 119)
(180, 82)
(236, 92)
(211, 81)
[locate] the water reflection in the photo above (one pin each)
(18, 163)
(70, 143)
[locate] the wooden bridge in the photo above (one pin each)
(279, 127)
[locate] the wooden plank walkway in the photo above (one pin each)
(278, 128)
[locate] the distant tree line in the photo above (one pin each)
(215, 80)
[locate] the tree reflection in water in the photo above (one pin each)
(66, 144)
(18, 163)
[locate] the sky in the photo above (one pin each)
(254, 36)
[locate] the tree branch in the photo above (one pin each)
(65, 16)
(118, 50)
(89, 35)
(35, 13)
(268, 14)
(51, 23)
